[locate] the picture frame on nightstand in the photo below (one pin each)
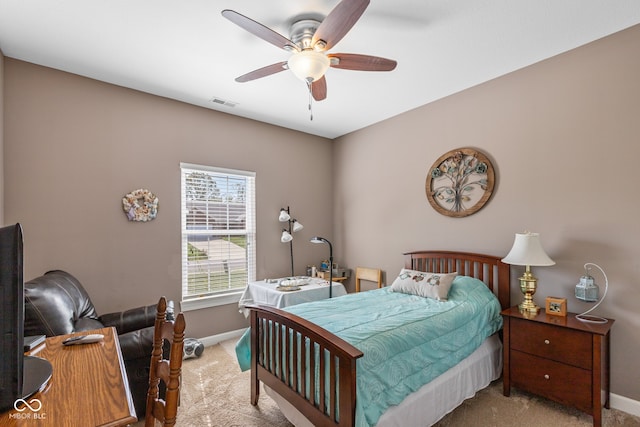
(556, 306)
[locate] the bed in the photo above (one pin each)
(312, 373)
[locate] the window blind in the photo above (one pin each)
(218, 230)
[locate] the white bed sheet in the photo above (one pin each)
(434, 400)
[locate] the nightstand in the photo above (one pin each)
(559, 358)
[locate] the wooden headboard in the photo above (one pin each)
(489, 269)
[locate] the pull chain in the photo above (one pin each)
(310, 101)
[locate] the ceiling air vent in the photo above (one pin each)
(221, 101)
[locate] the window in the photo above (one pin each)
(218, 235)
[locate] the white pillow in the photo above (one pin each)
(429, 285)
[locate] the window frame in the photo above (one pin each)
(232, 295)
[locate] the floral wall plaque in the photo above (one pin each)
(140, 205)
(460, 182)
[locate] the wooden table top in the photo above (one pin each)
(88, 387)
(569, 321)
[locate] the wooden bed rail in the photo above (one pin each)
(285, 348)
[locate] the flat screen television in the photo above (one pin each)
(20, 376)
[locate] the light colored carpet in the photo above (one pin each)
(216, 393)
(489, 408)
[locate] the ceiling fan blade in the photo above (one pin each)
(263, 72)
(259, 30)
(338, 23)
(319, 89)
(354, 61)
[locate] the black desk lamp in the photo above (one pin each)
(323, 240)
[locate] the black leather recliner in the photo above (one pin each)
(57, 304)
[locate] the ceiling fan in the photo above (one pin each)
(309, 41)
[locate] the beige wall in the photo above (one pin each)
(563, 136)
(74, 147)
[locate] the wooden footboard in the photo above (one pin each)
(285, 348)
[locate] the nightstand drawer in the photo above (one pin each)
(560, 344)
(563, 383)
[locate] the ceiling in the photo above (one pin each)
(186, 50)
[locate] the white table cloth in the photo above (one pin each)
(265, 293)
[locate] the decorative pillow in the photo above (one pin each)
(429, 285)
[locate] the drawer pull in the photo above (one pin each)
(546, 376)
(547, 342)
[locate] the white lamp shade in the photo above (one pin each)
(308, 65)
(296, 226)
(284, 216)
(527, 250)
(286, 237)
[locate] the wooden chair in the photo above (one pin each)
(169, 371)
(369, 274)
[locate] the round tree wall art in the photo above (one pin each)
(460, 182)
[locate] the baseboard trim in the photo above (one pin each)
(625, 404)
(621, 403)
(215, 339)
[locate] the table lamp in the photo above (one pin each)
(587, 290)
(528, 251)
(323, 240)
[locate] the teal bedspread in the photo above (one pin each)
(407, 340)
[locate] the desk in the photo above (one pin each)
(88, 387)
(265, 293)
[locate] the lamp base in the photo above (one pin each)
(528, 308)
(591, 319)
(528, 286)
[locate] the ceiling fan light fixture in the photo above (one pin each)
(309, 65)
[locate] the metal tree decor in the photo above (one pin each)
(460, 182)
